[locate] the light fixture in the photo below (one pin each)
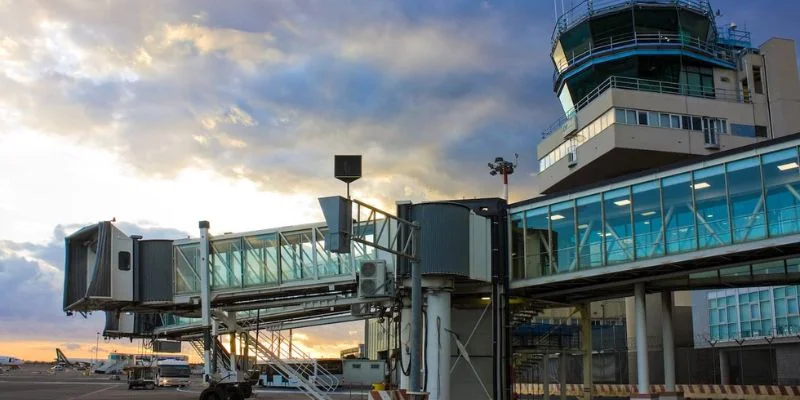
(556, 217)
(701, 185)
(486, 298)
(784, 167)
(604, 234)
(623, 202)
(583, 226)
(647, 222)
(648, 213)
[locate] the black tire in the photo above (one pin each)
(151, 386)
(210, 394)
(130, 387)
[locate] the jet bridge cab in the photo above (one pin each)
(103, 268)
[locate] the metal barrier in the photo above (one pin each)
(729, 392)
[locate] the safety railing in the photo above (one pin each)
(635, 39)
(588, 8)
(647, 85)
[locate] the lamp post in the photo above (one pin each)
(96, 345)
(504, 168)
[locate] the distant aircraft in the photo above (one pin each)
(76, 363)
(10, 362)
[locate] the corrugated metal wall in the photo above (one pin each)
(155, 270)
(100, 285)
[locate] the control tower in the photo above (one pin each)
(645, 83)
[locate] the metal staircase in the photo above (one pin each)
(312, 379)
(223, 356)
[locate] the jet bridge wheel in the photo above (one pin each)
(223, 391)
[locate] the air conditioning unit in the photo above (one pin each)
(372, 279)
(572, 158)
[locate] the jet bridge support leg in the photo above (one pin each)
(437, 343)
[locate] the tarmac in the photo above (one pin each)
(38, 382)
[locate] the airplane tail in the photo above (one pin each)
(61, 358)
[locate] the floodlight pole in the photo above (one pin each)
(505, 168)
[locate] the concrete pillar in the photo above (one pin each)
(642, 369)
(546, 376)
(405, 337)
(437, 348)
(586, 347)
(668, 340)
(562, 374)
(724, 368)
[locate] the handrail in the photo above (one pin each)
(647, 85)
(577, 14)
(635, 39)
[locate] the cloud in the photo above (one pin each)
(272, 100)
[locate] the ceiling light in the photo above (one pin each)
(583, 226)
(784, 167)
(486, 298)
(623, 202)
(556, 217)
(648, 213)
(701, 185)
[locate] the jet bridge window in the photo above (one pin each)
(124, 261)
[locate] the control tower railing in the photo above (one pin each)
(588, 8)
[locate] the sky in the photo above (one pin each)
(161, 113)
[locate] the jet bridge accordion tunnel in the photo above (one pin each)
(104, 269)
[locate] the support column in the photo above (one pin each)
(233, 349)
(405, 350)
(562, 374)
(586, 348)
(546, 376)
(205, 297)
(668, 340)
(642, 369)
(437, 348)
(724, 368)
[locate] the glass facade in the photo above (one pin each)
(753, 312)
(742, 200)
(259, 260)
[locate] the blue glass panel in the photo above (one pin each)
(225, 263)
(745, 199)
(261, 259)
(780, 308)
(517, 246)
(712, 207)
(679, 219)
(590, 232)
(618, 227)
(791, 306)
(781, 179)
(537, 237)
(648, 228)
(766, 309)
(296, 256)
(186, 261)
(562, 222)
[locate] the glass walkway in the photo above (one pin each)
(744, 198)
(269, 259)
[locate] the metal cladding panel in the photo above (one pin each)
(155, 270)
(166, 346)
(444, 238)
(112, 321)
(75, 272)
